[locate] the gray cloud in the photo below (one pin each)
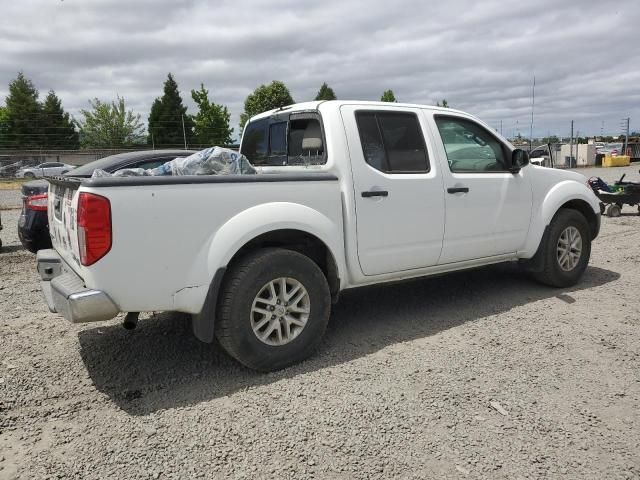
(480, 56)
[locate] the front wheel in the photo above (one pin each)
(567, 250)
(29, 175)
(273, 310)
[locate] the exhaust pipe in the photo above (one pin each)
(130, 320)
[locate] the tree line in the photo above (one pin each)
(28, 123)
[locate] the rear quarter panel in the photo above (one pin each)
(169, 240)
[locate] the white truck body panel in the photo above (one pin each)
(170, 239)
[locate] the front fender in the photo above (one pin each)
(555, 198)
(227, 240)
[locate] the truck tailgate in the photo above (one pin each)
(62, 209)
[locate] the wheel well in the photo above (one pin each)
(585, 209)
(301, 242)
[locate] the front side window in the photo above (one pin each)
(470, 148)
(392, 142)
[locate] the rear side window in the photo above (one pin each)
(392, 142)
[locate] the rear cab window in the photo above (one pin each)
(287, 139)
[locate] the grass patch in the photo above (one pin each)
(13, 183)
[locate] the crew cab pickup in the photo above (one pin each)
(348, 194)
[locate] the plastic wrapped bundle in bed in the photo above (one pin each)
(211, 161)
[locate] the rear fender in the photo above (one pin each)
(227, 240)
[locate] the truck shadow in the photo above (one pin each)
(161, 365)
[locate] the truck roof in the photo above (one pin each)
(305, 106)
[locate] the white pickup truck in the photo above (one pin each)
(348, 194)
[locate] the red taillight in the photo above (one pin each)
(94, 227)
(37, 202)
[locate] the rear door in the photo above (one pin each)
(398, 192)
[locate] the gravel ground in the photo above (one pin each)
(480, 374)
(10, 199)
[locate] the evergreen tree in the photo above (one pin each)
(166, 117)
(326, 93)
(211, 123)
(264, 98)
(23, 114)
(444, 104)
(110, 125)
(388, 96)
(57, 127)
(4, 126)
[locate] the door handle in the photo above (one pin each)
(458, 190)
(375, 193)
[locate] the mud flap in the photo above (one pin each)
(536, 263)
(203, 323)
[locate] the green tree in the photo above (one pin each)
(444, 103)
(4, 126)
(110, 125)
(263, 98)
(211, 123)
(326, 93)
(23, 114)
(167, 116)
(57, 127)
(388, 96)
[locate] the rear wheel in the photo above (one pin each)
(274, 308)
(567, 250)
(614, 210)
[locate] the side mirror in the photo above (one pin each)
(519, 158)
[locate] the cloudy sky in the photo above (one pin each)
(480, 55)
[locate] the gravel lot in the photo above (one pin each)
(10, 199)
(480, 374)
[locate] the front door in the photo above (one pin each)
(488, 207)
(399, 199)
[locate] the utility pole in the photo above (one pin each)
(626, 136)
(153, 143)
(533, 103)
(184, 134)
(500, 127)
(571, 145)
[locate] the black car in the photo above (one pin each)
(33, 226)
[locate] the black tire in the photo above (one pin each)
(243, 282)
(552, 274)
(29, 175)
(614, 210)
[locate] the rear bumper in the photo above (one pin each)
(67, 295)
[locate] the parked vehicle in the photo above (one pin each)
(44, 169)
(349, 194)
(541, 156)
(613, 149)
(33, 225)
(10, 169)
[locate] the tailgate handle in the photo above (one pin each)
(375, 193)
(458, 190)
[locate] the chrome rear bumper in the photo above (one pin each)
(67, 295)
